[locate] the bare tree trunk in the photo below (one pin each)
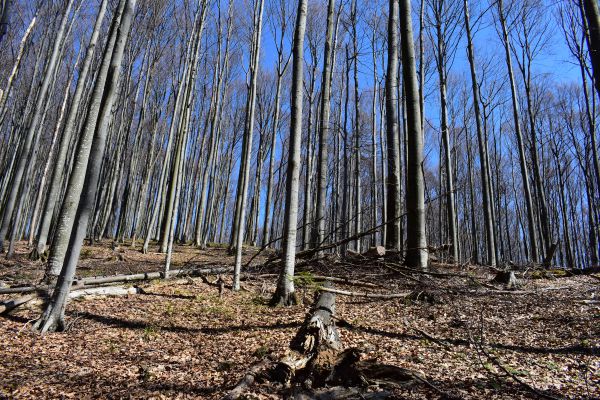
(88, 164)
(483, 160)
(393, 138)
(244, 174)
(5, 12)
(4, 95)
(285, 294)
(416, 254)
(17, 180)
(521, 147)
(357, 181)
(322, 164)
(592, 16)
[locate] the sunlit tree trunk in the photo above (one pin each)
(483, 159)
(521, 147)
(285, 293)
(40, 101)
(244, 174)
(393, 139)
(416, 252)
(84, 179)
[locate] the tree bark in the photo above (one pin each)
(416, 254)
(17, 180)
(87, 165)
(285, 293)
(517, 125)
(393, 138)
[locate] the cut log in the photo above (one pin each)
(375, 252)
(315, 346)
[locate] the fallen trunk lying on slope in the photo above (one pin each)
(316, 367)
(98, 280)
(37, 298)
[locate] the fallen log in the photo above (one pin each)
(401, 295)
(104, 291)
(12, 304)
(248, 380)
(98, 280)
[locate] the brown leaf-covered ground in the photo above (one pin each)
(181, 340)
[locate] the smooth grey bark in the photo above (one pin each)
(483, 159)
(441, 61)
(17, 180)
(307, 211)
(49, 158)
(357, 119)
(88, 161)
(285, 293)
(416, 253)
(68, 133)
(374, 196)
(95, 112)
(244, 174)
(220, 71)
(517, 125)
(392, 133)
(181, 113)
(322, 163)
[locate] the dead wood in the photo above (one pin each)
(104, 291)
(12, 304)
(248, 379)
(506, 278)
(383, 296)
(316, 368)
(146, 276)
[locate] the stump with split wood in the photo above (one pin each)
(316, 367)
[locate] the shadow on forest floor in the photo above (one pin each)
(573, 349)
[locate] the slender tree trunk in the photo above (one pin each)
(5, 13)
(322, 164)
(592, 16)
(521, 147)
(89, 164)
(285, 294)
(483, 160)
(416, 254)
(244, 174)
(393, 139)
(5, 94)
(17, 180)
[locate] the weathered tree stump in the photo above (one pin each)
(316, 367)
(506, 278)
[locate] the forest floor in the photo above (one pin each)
(180, 339)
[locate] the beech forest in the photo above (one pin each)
(300, 199)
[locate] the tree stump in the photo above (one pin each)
(507, 278)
